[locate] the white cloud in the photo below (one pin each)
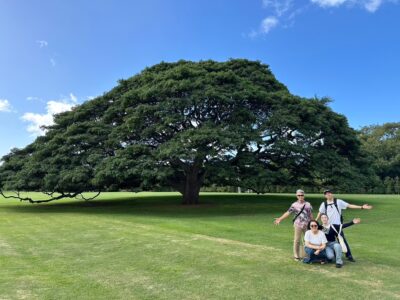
(268, 23)
(5, 105)
(329, 3)
(294, 13)
(37, 121)
(56, 107)
(280, 7)
(33, 98)
(265, 27)
(73, 98)
(284, 12)
(42, 43)
(373, 5)
(370, 5)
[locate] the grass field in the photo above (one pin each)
(148, 246)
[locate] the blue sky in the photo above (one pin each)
(55, 54)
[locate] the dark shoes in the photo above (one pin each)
(339, 265)
(350, 258)
(307, 260)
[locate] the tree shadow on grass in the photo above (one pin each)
(211, 205)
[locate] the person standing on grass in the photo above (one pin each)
(331, 231)
(316, 242)
(302, 212)
(333, 207)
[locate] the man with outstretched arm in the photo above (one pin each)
(302, 212)
(333, 207)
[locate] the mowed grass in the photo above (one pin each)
(148, 246)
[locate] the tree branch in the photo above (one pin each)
(61, 196)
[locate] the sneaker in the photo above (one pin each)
(338, 265)
(350, 258)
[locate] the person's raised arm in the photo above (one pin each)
(355, 221)
(284, 216)
(364, 206)
(318, 216)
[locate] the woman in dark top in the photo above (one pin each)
(331, 231)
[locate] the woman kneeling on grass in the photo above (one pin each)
(333, 249)
(315, 241)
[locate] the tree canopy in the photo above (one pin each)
(186, 124)
(382, 144)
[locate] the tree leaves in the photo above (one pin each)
(178, 124)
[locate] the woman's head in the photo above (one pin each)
(313, 225)
(324, 219)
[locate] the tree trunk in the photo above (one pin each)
(193, 183)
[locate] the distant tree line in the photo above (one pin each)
(380, 146)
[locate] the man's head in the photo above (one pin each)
(328, 194)
(300, 195)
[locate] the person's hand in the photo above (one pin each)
(277, 221)
(356, 220)
(317, 252)
(366, 206)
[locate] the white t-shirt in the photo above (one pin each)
(332, 212)
(315, 239)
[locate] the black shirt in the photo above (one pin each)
(331, 234)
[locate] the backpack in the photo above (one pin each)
(334, 203)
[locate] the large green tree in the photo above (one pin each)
(382, 144)
(182, 125)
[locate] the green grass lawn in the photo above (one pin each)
(148, 246)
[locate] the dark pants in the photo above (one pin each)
(348, 254)
(312, 257)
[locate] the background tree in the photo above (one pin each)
(182, 124)
(382, 144)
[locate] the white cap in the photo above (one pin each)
(300, 191)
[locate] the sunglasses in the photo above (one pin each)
(314, 225)
(300, 195)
